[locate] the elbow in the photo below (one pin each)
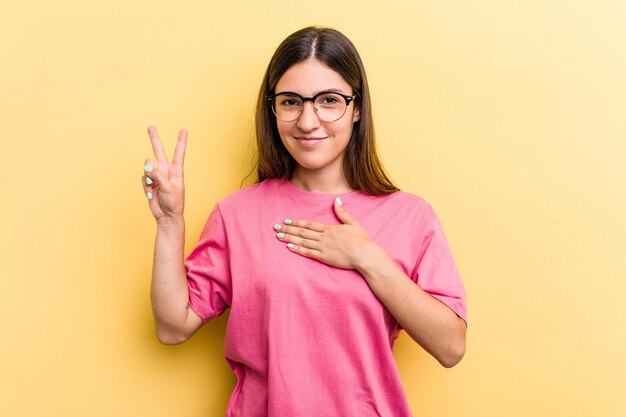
(171, 338)
(451, 359)
(175, 332)
(453, 354)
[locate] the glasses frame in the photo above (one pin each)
(271, 98)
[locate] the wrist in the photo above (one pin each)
(171, 228)
(170, 222)
(377, 268)
(371, 257)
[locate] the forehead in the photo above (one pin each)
(309, 77)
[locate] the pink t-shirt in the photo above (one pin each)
(306, 339)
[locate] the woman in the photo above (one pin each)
(318, 261)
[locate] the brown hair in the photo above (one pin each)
(362, 167)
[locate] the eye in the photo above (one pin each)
(329, 100)
(289, 101)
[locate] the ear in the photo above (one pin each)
(356, 115)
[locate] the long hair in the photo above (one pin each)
(362, 167)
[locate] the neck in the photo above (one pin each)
(320, 182)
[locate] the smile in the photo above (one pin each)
(309, 142)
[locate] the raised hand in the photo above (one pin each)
(163, 182)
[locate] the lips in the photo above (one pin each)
(309, 141)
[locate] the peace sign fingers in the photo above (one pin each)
(179, 153)
(156, 146)
(163, 182)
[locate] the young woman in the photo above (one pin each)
(322, 262)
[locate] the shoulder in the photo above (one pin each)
(410, 199)
(401, 211)
(406, 204)
(250, 196)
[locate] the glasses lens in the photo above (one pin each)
(330, 106)
(287, 107)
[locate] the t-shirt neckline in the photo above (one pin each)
(312, 195)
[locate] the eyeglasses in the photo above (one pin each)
(329, 106)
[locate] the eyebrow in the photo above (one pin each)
(329, 90)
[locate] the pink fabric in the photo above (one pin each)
(306, 339)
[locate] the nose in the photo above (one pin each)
(308, 120)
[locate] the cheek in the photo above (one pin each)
(284, 129)
(348, 128)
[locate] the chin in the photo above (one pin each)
(309, 165)
(317, 165)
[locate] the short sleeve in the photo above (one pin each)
(208, 270)
(436, 273)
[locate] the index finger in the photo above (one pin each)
(306, 224)
(157, 148)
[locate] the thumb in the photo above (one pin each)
(342, 213)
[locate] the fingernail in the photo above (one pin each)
(147, 168)
(149, 195)
(338, 200)
(288, 221)
(148, 180)
(290, 245)
(277, 227)
(280, 235)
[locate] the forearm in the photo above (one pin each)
(429, 322)
(169, 292)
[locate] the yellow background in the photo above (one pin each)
(509, 117)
